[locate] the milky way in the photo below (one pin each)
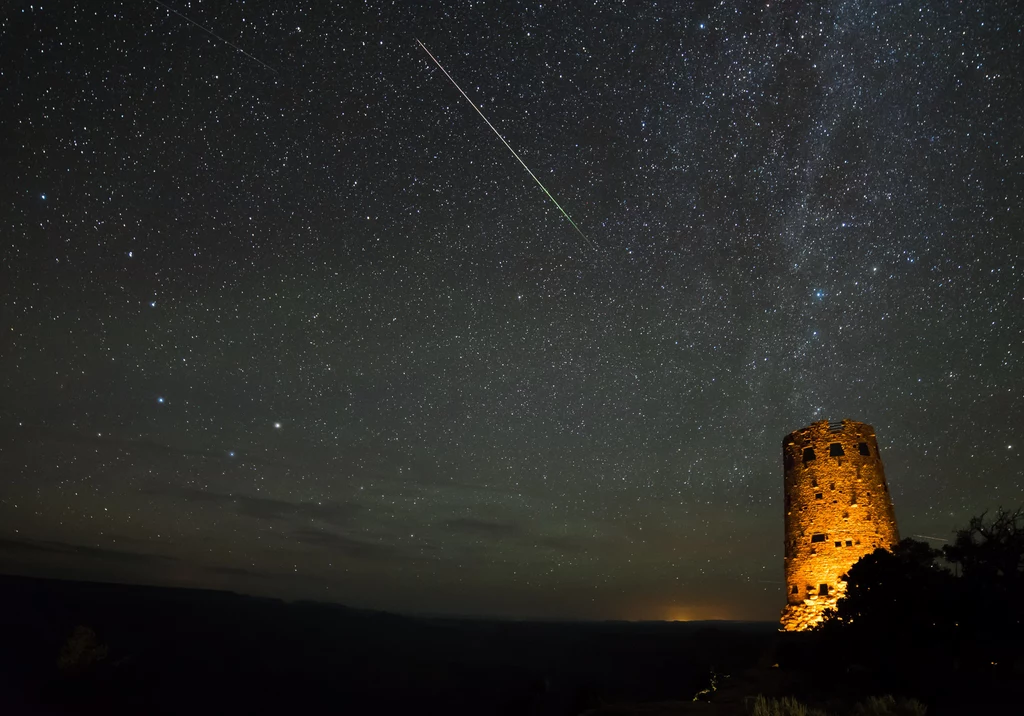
(311, 333)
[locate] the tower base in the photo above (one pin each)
(805, 615)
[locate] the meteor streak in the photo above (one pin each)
(214, 34)
(514, 154)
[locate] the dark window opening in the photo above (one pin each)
(835, 450)
(818, 495)
(839, 544)
(794, 590)
(808, 454)
(832, 486)
(818, 538)
(849, 543)
(823, 590)
(863, 447)
(814, 482)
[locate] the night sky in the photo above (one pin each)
(281, 315)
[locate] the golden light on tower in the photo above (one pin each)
(837, 509)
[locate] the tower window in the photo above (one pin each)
(823, 590)
(818, 538)
(849, 543)
(794, 589)
(863, 447)
(808, 454)
(839, 544)
(835, 450)
(818, 495)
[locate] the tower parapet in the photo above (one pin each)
(838, 509)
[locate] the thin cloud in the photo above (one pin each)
(562, 544)
(268, 508)
(486, 528)
(81, 550)
(347, 546)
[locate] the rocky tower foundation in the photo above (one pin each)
(838, 509)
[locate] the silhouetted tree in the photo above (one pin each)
(991, 551)
(898, 594)
(989, 557)
(970, 617)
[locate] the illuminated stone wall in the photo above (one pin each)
(838, 509)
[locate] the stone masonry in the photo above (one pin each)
(838, 509)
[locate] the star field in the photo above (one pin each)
(282, 315)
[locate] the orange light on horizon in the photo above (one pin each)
(691, 613)
(679, 614)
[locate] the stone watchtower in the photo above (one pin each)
(838, 509)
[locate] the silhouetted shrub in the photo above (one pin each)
(782, 707)
(889, 706)
(874, 706)
(81, 651)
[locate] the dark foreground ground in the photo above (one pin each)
(149, 650)
(175, 651)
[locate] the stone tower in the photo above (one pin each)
(838, 509)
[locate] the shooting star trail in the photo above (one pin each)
(214, 34)
(514, 154)
(934, 539)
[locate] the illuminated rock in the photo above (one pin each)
(838, 509)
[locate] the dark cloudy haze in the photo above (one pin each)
(287, 318)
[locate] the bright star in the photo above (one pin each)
(43, 197)
(159, 400)
(277, 425)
